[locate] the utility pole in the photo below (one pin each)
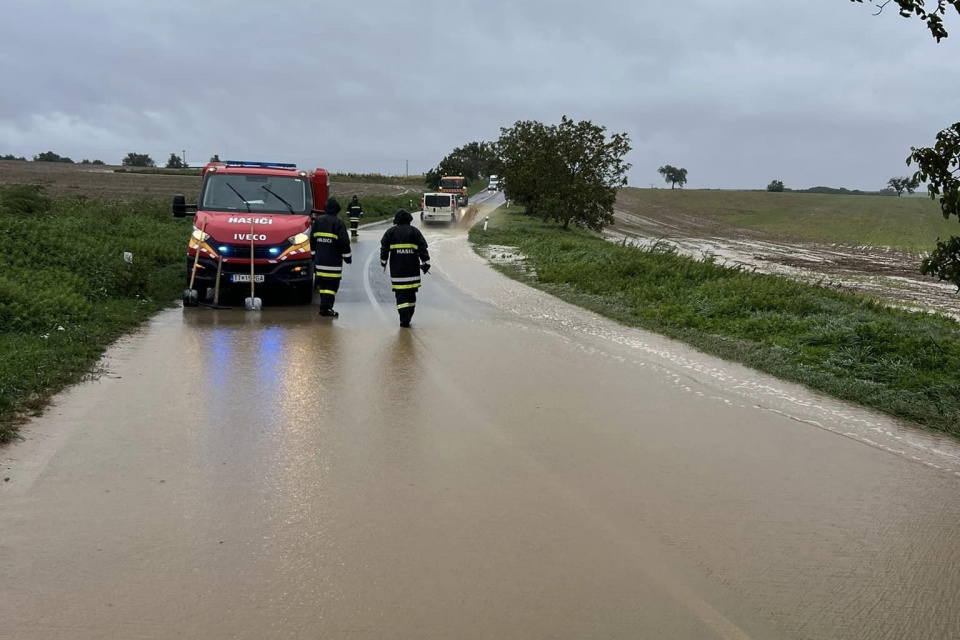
(183, 158)
(407, 172)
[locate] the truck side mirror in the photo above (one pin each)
(179, 206)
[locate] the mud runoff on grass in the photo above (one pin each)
(881, 272)
(510, 257)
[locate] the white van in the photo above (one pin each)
(439, 208)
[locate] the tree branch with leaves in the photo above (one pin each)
(939, 165)
(931, 12)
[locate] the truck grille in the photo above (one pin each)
(260, 252)
(258, 269)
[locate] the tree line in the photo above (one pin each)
(473, 161)
(132, 159)
(49, 156)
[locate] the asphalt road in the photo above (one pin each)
(512, 467)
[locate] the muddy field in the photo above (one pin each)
(102, 181)
(890, 274)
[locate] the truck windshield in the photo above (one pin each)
(436, 201)
(451, 183)
(264, 194)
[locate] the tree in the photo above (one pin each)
(473, 161)
(898, 184)
(775, 186)
(50, 156)
(175, 162)
(10, 156)
(85, 161)
(138, 160)
(673, 175)
(569, 173)
(215, 157)
(432, 178)
(904, 183)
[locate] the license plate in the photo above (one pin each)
(244, 277)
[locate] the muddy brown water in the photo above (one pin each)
(512, 467)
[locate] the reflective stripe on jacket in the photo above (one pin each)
(405, 248)
(331, 245)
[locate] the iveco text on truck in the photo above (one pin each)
(264, 204)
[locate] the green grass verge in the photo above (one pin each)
(376, 178)
(477, 186)
(851, 347)
(65, 291)
(907, 223)
(383, 207)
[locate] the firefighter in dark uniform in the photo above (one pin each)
(405, 248)
(354, 212)
(331, 247)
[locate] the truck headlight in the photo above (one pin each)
(300, 238)
(199, 235)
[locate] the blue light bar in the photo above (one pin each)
(262, 165)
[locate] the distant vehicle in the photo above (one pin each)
(494, 184)
(456, 185)
(439, 208)
(268, 204)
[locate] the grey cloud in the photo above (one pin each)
(739, 91)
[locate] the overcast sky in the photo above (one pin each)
(737, 91)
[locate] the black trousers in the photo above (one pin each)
(327, 288)
(406, 303)
(354, 224)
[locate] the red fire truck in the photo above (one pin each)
(259, 208)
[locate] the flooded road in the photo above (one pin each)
(512, 467)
